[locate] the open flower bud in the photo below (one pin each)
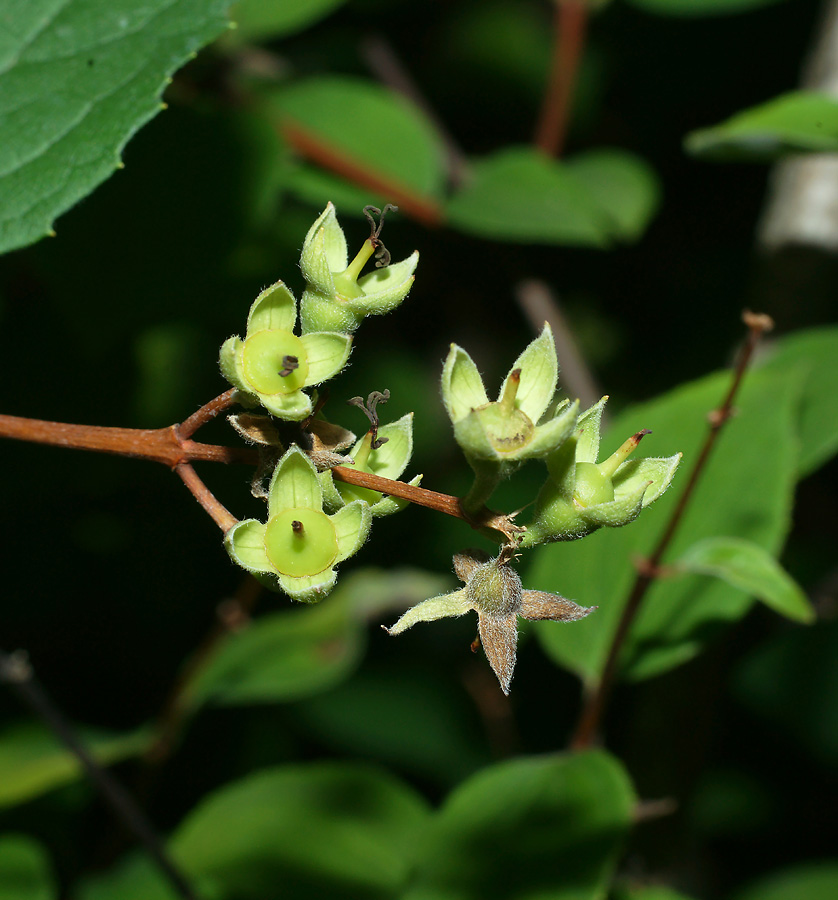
(272, 365)
(497, 437)
(296, 550)
(337, 297)
(582, 495)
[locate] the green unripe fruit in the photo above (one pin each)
(301, 542)
(592, 487)
(494, 590)
(269, 353)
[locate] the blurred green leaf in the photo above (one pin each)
(307, 649)
(326, 830)
(696, 8)
(33, 761)
(259, 20)
(797, 122)
(746, 490)
(136, 877)
(792, 682)
(282, 656)
(78, 79)
(407, 718)
(752, 569)
(815, 354)
(623, 185)
(371, 126)
(592, 199)
(730, 802)
(24, 870)
(811, 881)
(646, 892)
(517, 194)
(549, 826)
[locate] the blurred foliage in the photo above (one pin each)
(306, 753)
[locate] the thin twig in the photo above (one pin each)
(205, 414)
(423, 209)
(569, 29)
(16, 672)
(589, 721)
(164, 445)
(222, 517)
(388, 68)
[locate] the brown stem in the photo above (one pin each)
(569, 29)
(596, 702)
(205, 414)
(388, 68)
(167, 446)
(309, 145)
(222, 517)
(161, 445)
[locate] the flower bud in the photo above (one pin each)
(337, 297)
(582, 495)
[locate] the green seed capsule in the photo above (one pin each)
(592, 487)
(265, 362)
(301, 542)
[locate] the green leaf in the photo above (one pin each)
(697, 8)
(813, 354)
(547, 826)
(283, 656)
(745, 491)
(24, 870)
(810, 881)
(137, 878)
(646, 892)
(624, 187)
(797, 122)
(33, 761)
(752, 569)
(325, 830)
(78, 79)
(369, 125)
(517, 194)
(792, 681)
(259, 20)
(407, 718)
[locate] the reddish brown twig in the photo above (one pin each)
(569, 29)
(588, 725)
(309, 145)
(169, 447)
(205, 414)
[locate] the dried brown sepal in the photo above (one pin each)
(499, 636)
(256, 429)
(327, 437)
(542, 605)
(466, 562)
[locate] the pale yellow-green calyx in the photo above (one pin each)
(298, 548)
(301, 542)
(346, 282)
(272, 365)
(274, 362)
(582, 495)
(337, 295)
